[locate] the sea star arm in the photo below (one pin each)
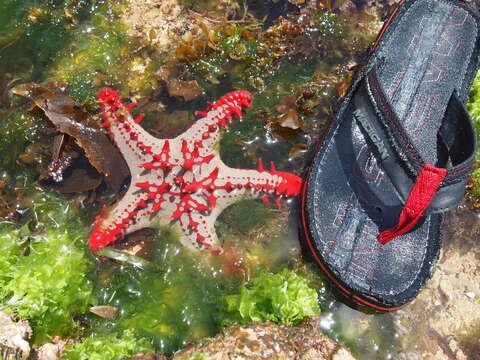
(227, 187)
(135, 143)
(137, 209)
(205, 132)
(112, 224)
(199, 231)
(261, 183)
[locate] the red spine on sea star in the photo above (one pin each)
(161, 161)
(229, 104)
(191, 158)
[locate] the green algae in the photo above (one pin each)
(328, 25)
(285, 298)
(474, 103)
(46, 279)
(245, 216)
(468, 340)
(101, 54)
(474, 187)
(90, 61)
(73, 44)
(82, 44)
(107, 347)
(18, 129)
(236, 52)
(251, 55)
(35, 32)
(473, 190)
(10, 251)
(170, 308)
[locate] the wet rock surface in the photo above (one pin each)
(269, 341)
(444, 321)
(13, 337)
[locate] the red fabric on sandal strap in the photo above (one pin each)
(422, 193)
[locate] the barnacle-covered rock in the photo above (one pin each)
(268, 341)
(14, 336)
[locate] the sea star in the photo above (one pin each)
(183, 180)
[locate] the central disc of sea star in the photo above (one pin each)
(181, 181)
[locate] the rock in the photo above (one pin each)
(447, 311)
(105, 311)
(268, 341)
(189, 90)
(14, 336)
(53, 350)
(341, 354)
(48, 352)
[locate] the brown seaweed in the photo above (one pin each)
(71, 119)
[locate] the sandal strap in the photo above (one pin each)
(422, 193)
(399, 157)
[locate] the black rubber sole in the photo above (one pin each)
(427, 49)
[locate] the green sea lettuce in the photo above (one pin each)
(9, 252)
(281, 298)
(108, 347)
(44, 272)
(473, 107)
(49, 286)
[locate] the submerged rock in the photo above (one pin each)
(444, 321)
(105, 311)
(268, 341)
(13, 336)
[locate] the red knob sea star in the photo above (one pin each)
(181, 181)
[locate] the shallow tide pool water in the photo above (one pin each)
(300, 64)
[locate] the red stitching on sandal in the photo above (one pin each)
(422, 193)
(385, 27)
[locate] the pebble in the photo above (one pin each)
(470, 295)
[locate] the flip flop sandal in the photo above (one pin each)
(397, 157)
